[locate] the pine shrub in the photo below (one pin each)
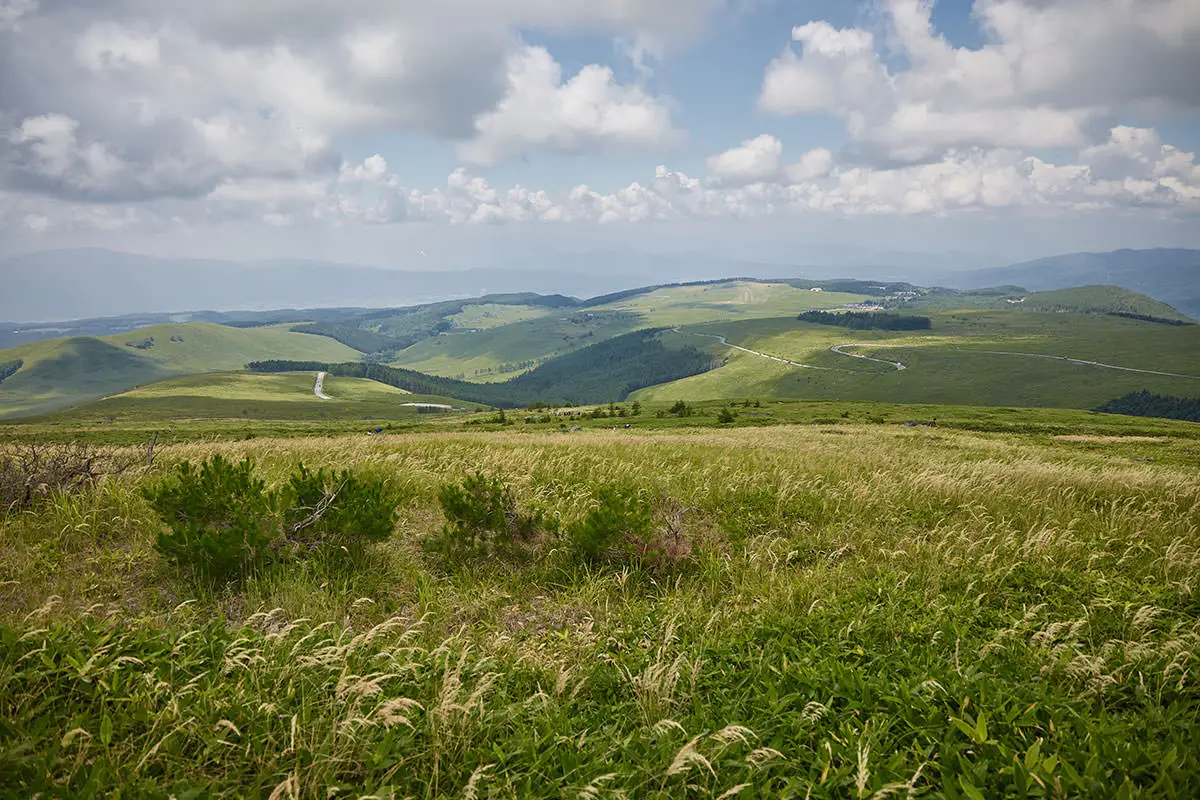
(222, 519)
(483, 519)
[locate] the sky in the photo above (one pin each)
(468, 132)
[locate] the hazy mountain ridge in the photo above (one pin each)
(1169, 275)
(95, 285)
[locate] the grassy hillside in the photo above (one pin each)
(832, 611)
(250, 397)
(499, 354)
(62, 372)
(1101, 299)
(950, 363)
(604, 372)
(537, 334)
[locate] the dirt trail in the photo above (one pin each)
(900, 366)
(837, 348)
(319, 387)
(723, 341)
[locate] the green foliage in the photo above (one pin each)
(482, 519)
(337, 511)
(222, 518)
(868, 321)
(1145, 404)
(680, 409)
(9, 368)
(607, 371)
(621, 517)
(224, 522)
(726, 416)
(362, 340)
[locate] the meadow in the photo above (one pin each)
(967, 358)
(840, 609)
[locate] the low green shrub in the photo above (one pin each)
(222, 518)
(224, 522)
(337, 511)
(483, 519)
(619, 524)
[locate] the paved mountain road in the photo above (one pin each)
(319, 387)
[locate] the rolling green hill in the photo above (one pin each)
(61, 372)
(989, 358)
(538, 334)
(1101, 300)
(284, 397)
(603, 372)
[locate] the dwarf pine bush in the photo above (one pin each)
(222, 519)
(337, 510)
(482, 518)
(224, 522)
(620, 517)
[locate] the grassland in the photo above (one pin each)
(241, 401)
(63, 372)
(849, 610)
(534, 334)
(949, 364)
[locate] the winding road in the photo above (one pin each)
(722, 340)
(319, 387)
(837, 348)
(900, 366)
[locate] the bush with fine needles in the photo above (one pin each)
(337, 510)
(482, 519)
(620, 517)
(222, 518)
(224, 522)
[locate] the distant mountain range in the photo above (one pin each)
(1172, 276)
(89, 283)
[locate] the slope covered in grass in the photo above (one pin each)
(603, 372)
(846, 611)
(285, 397)
(995, 358)
(1100, 300)
(61, 372)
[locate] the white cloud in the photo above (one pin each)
(1050, 74)
(192, 95)
(11, 12)
(588, 112)
(755, 159)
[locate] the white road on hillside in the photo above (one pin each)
(722, 340)
(1083, 362)
(319, 387)
(837, 348)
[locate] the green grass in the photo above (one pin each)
(947, 364)
(856, 611)
(483, 356)
(494, 315)
(63, 372)
(536, 334)
(735, 300)
(1100, 299)
(245, 398)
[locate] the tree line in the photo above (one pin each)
(1146, 404)
(9, 368)
(868, 320)
(1179, 323)
(608, 371)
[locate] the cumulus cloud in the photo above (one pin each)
(1050, 76)
(1131, 170)
(191, 95)
(754, 160)
(588, 112)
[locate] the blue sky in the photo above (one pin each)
(291, 125)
